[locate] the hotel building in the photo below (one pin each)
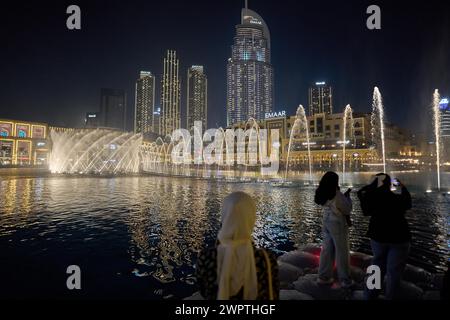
(249, 71)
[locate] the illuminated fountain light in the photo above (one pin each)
(348, 121)
(377, 124)
(301, 122)
(96, 151)
(437, 134)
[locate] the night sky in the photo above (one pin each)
(49, 73)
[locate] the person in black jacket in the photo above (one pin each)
(388, 230)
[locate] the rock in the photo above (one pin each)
(308, 285)
(300, 259)
(195, 296)
(357, 274)
(287, 272)
(437, 281)
(409, 291)
(314, 249)
(358, 295)
(360, 260)
(294, 295)
(416, 274)
(432, 295)
(286, 285)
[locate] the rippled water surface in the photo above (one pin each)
(138, 237)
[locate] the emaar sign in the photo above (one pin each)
(270, 115)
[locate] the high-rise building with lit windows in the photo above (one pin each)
(249, 70)
(197, 97)
(320, 99)
(170, 95)
(144, 103)
(444, 107)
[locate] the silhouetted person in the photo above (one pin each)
(234, 269)
(388, 230)
(336, 220)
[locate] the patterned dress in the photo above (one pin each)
(206, 272)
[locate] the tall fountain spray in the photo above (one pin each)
(377, 123)
(437, 134)
(348, 115)
(300, 122)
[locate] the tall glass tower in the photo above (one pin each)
(249, 71)
(320, 98)
(197, 97)
(144, 103)
(170, 95)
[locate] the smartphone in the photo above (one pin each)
(395, 182)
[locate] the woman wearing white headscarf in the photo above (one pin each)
(234, 268)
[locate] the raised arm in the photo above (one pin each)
(405, 197)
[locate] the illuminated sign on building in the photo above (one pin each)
(270, 115)
(5, 129)
(254, 21)
(322, 83)
(22, 130)
(444, 104)
(38, 132)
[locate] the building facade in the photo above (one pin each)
(444, 107)
(92, 120)
(113, 107)
(144, 103)
(23, 143)
(320, 99)
(250, 89)
(197, 97)
(170, 95)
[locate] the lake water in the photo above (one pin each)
(138, 236)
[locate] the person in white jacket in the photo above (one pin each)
(336, 221)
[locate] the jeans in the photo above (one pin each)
(335, 246)
(391, 259)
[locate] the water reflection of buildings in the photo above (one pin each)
(17, 196)
(158, 229)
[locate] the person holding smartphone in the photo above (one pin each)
(336, 221)
(388, 230)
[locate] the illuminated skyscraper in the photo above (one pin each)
(170, 95)
(444, 106)
(144, 103)
(249, 71)
(320, 99)
(197, 100)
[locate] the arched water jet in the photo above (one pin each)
(301, 121)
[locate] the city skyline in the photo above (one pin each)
(354, 63)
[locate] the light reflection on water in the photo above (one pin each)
(139, 236)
